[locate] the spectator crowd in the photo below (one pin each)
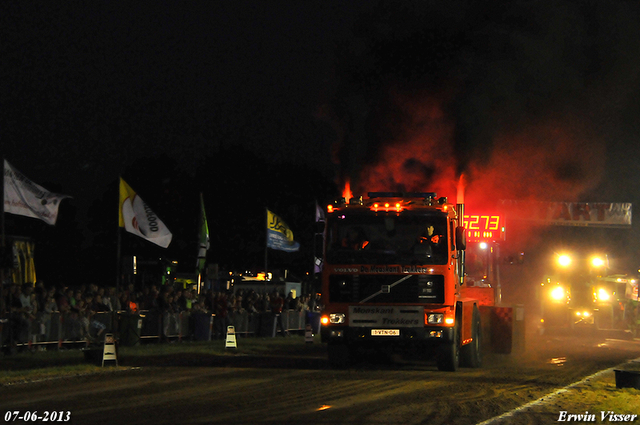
(27, 309)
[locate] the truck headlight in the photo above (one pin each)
(558, 293)
(564, 260)
(337, 318)
(435, 318)
(603, 295)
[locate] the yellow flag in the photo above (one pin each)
(279, 236)
(137, 218)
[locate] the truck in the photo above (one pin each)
(571, 294)
(616, 298)
(394, 277)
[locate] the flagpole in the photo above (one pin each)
(118, 250)
(2, 242)
(199, 231)
(266, 249)
(315, 256)
(118, 245)
(2, 213)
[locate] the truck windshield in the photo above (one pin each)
(357, 238)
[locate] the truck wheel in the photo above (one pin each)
(449, 353)
(339, 355)
(472, 352)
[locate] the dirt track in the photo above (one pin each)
(297, 387)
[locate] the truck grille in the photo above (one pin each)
(423, 289)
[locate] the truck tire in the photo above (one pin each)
(449, 353)
(339, 355)
(471, 354)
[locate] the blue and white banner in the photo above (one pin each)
(279, 236)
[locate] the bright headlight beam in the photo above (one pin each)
(564, 260)
(603, 294)
(557, 293)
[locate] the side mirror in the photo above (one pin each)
(461, 238)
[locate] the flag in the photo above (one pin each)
(279, 236)
(24, 197)
(319, 214)
(203, 245)
(136, 217)
(317, 259)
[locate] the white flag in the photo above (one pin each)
(136, 217)
(24, 197)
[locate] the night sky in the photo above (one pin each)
(529, 100)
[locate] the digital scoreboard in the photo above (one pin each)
(484, 227)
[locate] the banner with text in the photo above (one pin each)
(591, 214)
(279, 235)
(136, 217)
(24, 197)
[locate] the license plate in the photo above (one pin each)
(385, 332)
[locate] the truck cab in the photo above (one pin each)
(393, 276)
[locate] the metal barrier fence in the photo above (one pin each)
(60, 329)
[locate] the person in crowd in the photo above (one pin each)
(250, 303)
(98, 305)
(22, 310)
(290, 302)
(62, 299)
(77, 296)
(315, 305)
(3, 300)
(198, 307)
(132, 305)
(104, 299)
(209, 300)
(180, 301)
(265, 303)
(113, 299)
(96, 321)
(166, 309)
(149, 299)
(83, 319)
(50, 307)
(277, 304)
(41, 294)
(202, 300)
(93, 288)
(231, 304)
(74, 322)
(221, 320)
(123, 299)
(303, 304)
(35, 328)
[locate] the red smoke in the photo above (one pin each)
(548, 161)
(419, 159)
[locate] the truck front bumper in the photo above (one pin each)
(429, 335)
